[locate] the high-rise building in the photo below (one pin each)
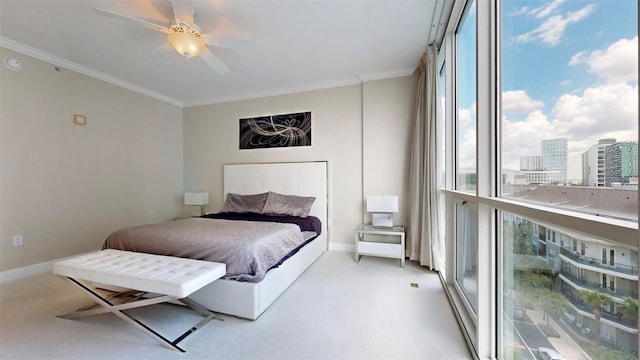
(554, 160)
(621, 163)
(531, 163)
(585, 168)
(595, 163)
(548, 168)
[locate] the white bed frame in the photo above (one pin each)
(250, 300)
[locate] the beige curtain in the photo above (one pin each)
(423, 232)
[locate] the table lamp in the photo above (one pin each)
(382, 208)
(197, 198)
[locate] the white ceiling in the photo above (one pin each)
(300, 45)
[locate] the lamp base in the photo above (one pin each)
(382, 220)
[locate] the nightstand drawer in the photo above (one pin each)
(380, 249)
(378, 243)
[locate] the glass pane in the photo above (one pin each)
(569, 104)
(466, 253)
(466, 101)
(567, 301)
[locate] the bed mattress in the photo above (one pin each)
(249, 248)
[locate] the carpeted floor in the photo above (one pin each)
(336, 310)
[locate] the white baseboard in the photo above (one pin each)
(31, 270)
(341, 247)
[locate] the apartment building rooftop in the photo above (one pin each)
(614, 202)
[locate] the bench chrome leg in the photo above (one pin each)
(117, 309)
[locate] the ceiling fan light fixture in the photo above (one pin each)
(187, 42)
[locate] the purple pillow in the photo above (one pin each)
(279, 204)
(236, 203)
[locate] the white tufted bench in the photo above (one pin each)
(174, 278)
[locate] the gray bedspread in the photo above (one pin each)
(249, 249)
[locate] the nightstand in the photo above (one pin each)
(381, 248)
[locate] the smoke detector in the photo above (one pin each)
(12, 63)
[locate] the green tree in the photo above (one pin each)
(535, 280)
(602, 353)
(596, 300)
(629, 308)
(521, 235)
(551, 302)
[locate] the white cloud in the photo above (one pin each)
(577, 58)
(466, 115)
(467, 137)
(552, 29)
(523, 138)
(608, 110)
(522, 11)
(599, 112)
(467, 150)
(546, 9)
(518, 102)
(618, 62)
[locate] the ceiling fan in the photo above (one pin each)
(186, 37)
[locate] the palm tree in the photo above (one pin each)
(629, 308)
(596, 300)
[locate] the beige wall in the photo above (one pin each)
(340, 132)
(388, 111)
(64, 187)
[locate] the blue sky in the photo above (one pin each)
(569, 70)
(541, 68)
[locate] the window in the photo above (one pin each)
(466, 101)
(552, 297)
(569, 141)
(467, 253)
(574, 109)
(547, 159)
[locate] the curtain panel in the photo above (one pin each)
(423, 231)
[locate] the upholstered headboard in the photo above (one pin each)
(294, 178)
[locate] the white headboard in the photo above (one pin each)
(294, 178)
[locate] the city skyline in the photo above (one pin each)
(607, 163)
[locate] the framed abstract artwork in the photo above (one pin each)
(273, 131)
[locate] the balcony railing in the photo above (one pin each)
(591, 261)
(604, 314)
(618, 292)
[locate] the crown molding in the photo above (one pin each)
(55, 60)
(305, 88)
(276, 92)
(386, 75)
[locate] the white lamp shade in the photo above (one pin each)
(382, 203)
(196, 198)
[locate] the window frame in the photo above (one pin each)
(484, 332)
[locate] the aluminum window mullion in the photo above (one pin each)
(486, 173)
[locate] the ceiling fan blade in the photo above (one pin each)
(214, 62)
(132, 19)
(183, 11)
(230, 42)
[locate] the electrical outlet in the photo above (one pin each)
(17, 240)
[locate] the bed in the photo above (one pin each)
(251, 296)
